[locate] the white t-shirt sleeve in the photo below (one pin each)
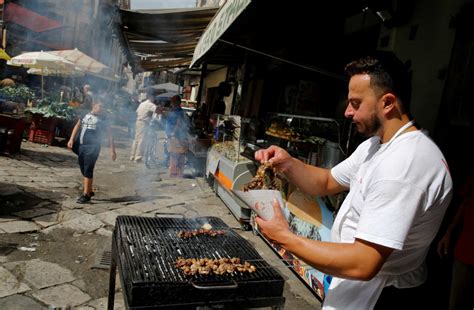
(389, 211)
(342, 173)
(345, 170)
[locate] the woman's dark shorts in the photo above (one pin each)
(88, 154)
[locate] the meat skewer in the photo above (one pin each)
(205, 266)
(186, 234)
(265, 178)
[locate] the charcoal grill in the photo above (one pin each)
(145, 249)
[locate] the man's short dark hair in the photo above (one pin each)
(387, 73)
(176, 99)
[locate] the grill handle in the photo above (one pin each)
(233, 285)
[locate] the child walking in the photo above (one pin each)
(90, 129)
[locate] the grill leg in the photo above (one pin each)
(280, 305)
(113, 274)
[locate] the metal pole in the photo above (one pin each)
(201, 84)
(42, 83)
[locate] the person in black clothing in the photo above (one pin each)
(90, 130)
(224, 90)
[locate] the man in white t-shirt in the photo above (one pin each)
(399, 188)
(144, 115)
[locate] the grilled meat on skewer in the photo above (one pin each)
(265, 178)
(185, 234)
(204, 266)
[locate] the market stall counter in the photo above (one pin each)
(227, 174)
(226, 168)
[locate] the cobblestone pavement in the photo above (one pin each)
(50, 246)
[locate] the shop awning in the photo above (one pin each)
(223, 19)
(33, 21)
(162, 39)
(238, 34)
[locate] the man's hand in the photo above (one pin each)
(113, 155)
(276, 229)
(444, 245)
(280, 158)
(69, 144)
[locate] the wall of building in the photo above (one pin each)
(429, 53)
(426, 40)
(86, 25)
(213, 79)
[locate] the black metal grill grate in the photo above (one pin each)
(148, 248)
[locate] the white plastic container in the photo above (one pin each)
(261, 201)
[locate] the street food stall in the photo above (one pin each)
(313, 140)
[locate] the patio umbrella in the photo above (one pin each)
(167, 95)
(166, 87)
(42, 61)
(72, 72)
(82, 61)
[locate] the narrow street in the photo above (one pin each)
(51, 248)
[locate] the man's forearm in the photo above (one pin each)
(357, 261)
(310, 179)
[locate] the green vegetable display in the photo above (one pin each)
(18, 93)
(49, 108)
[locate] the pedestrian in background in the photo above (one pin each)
(131, 111)
(460, 237)
(87, 97)
(89, 132)
(7, 82)
(144, 115)
(177, 132)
